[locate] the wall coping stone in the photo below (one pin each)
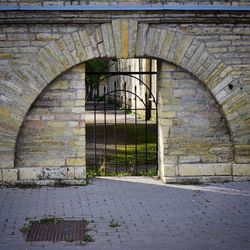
(16, 16)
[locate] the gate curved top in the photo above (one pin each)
(119, 90)
(103, 79)
(123, 38)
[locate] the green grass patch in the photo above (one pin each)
(50, 220)
(136, 150)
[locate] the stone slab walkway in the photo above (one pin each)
(151, 215)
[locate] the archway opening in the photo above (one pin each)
(189, 135)
(121, 117)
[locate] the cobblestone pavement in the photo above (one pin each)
(151, 215)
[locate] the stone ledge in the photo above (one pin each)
(205, 169)
(241, 178)
(203, 179)
(60, 174)
(33, 183)
(10, 174)
(86, 17)
(30, 173)
(241, 169)
(198, 179)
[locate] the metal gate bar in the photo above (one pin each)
(105, 124)
(126, 138)
(146, 135)
(115, 133)
(95, 135)
(136, 159)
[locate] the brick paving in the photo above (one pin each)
(151, 215)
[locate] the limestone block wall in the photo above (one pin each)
(51, 143)
(37, 47)
(193, 134)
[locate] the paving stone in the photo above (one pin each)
(151, 215)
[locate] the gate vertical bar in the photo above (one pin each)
(156, 136)
(95, 131)
(115, 131)
(146, 133)
(136, 156)
(126, 139)
(105, 141)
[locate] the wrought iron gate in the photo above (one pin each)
(121, 128)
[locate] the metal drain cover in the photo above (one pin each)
(63, 230)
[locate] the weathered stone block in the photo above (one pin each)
(75, 162)
(208, 158)
(71, 173)
(196, 56)
(80, 94)
(80, 153)
(36, 124)
(79, 131)
(170, 159)
(51, 162)
(169, 114)
(141, 41)
(189, 158)
(167, 44)
(6, 163)
(125, 34)
(108, 40)
(46, 36)
(60, 84)
(4, 112)
(224, 158)
(183, 47)
(132, 37)
(222, 85)
(30, 173)
(55, 173)
(205, 169)
(80, 173)
(78, 110)
(170, 169)
(10, 174)
(241, 169)
(242, 158)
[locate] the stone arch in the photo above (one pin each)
(126, 39)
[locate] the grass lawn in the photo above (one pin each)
(135, 155)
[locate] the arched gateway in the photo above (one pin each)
(54, 50)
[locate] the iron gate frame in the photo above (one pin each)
(103, 98)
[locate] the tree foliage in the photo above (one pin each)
(95, 65)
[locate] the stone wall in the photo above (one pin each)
(51, 143)
(194, 137)
(35, 49)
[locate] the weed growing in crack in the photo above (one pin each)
(88, 238)
(25, 228)
(114, 223)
